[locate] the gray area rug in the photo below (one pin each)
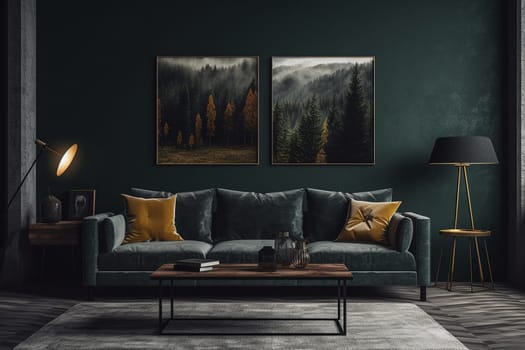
(133, 326)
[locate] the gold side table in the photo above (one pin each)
(472, 236)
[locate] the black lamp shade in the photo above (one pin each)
(463, 150)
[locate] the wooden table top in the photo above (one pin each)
(251, 271)
(58, 233)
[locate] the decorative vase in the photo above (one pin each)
(301, 258)
(51, 209)
(267, 259)
(284, 249)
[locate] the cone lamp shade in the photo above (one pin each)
(458, 150)
(66, 159)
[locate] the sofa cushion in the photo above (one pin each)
(327, 211)
(361, 256)
(148, 256)
(150, 219)
(193, 213)
(400, 232)
(239, 251)
(114, 231)
(250, 215)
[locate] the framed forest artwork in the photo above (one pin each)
(207, 110)
(323, 110)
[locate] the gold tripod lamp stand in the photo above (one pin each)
(461, 152)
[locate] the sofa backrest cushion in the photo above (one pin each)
(327, 211)
(250, 215)
(193, 213)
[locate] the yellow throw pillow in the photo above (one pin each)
(368, 221)
(150, 219)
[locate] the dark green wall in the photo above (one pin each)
(438, 72)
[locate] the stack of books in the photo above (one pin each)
(195, 265)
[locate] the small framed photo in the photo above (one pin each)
(81, 203)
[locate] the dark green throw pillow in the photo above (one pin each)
(250, 215)
(193, 211)
(327, 211)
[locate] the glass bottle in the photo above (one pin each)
(301, 256)
(283, 249)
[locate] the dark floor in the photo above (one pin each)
(487, 319)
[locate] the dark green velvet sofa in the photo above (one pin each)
(233, 226)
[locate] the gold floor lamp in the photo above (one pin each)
(461, 152)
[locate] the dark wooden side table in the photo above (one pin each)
(62, 233)
(473, 237)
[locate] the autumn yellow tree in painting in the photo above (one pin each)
(211, 114)
(250, 114)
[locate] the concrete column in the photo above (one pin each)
(21, 121)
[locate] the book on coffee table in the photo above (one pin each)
(197, 263)
(178, 267)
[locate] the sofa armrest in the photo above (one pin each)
(400, 232)
(421, 247)
(114, 228)
(89, 240)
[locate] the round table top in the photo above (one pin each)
(465, 232)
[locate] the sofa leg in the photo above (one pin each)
(91, 293)
(423, 293)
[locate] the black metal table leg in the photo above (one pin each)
(344, 307)
(338, 299)
(160, 306)
(171, 297)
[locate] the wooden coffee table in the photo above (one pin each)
(313, 272)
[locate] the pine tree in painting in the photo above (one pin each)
(179, 139)
(355, 120)
(335, 145)
(198, 129)
(281, 135)
(309, 132)
(228, 120)
(165, 132)
(211, 114)
(296, 152)
(191, 142)
(321, 155)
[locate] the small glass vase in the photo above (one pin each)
(284, 247)
(301, 258)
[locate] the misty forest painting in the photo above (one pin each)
(207, 110)
(323, 110)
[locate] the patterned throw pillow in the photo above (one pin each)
(368, 221)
